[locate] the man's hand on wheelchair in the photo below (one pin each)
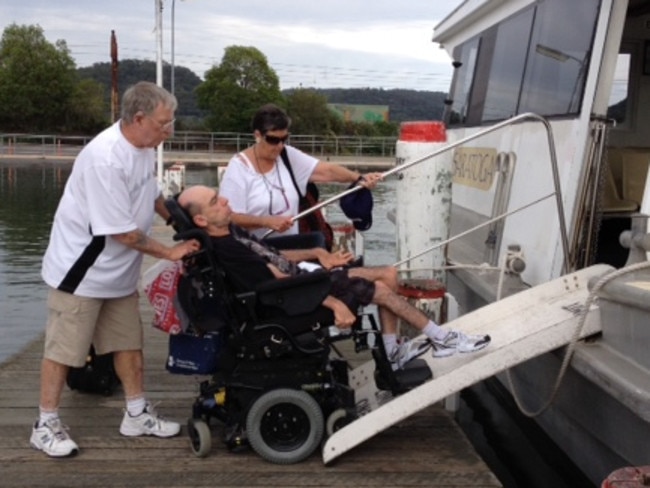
(182, 249)
(343, 317)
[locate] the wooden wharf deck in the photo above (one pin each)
(428, 449)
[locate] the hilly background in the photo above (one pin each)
(404, 105)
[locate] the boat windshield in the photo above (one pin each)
(533, 61)
(618, 99)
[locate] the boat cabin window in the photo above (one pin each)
(533, 61)
(618, 107)
(463, 81)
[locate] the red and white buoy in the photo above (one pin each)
(422, 217)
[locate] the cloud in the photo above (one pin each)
(352, 43)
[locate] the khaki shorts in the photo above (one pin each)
(74, 323)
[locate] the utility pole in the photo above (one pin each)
(172, 71)
(159, 79)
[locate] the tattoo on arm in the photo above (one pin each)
(136, 239)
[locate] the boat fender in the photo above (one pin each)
(628, 477)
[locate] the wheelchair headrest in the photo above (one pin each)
(179, 219)
(183, 224)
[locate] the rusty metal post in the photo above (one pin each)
(115, 112)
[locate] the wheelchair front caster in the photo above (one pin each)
(200, 437)
(338, 419)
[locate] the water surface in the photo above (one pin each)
(29, 194)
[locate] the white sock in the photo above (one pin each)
(434, 332)
(390, 342)
(135, 406)
(47, 415)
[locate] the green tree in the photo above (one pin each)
(37, 80)
(236, 88)
(386, 129)
(87, 108)
(308, 111)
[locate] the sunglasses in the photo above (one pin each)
(275, 140)
(284, 206)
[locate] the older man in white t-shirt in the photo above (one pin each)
(92, 264)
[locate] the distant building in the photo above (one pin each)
(360, 113)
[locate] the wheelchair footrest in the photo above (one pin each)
(413, 374)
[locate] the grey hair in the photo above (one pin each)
(145, 97)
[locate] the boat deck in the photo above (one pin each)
(427, 449)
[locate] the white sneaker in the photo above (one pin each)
(457, 341)
(148, 423)
(52, 438)
(406, 351)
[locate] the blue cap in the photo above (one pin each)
(357, 206)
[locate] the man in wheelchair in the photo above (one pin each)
(278, 383)
(248, 262)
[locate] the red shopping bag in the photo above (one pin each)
(160, 285)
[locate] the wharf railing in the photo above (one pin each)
(67, 146)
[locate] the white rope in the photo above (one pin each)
(576, 337)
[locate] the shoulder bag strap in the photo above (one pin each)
(285, 160)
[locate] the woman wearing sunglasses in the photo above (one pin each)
(259, 188)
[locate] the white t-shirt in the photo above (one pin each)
(111, 190)
(251, 193)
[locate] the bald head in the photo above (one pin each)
(190, 198)
(207, 209)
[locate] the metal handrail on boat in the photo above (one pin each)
(469, 231)
(514, 120)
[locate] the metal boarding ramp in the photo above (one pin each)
(522, 326)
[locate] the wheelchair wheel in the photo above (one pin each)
(200, 437)
(285, 426)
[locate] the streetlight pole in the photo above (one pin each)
(159, 81)
(173, 30)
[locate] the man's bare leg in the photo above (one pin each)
(52, 380)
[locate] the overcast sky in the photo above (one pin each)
(330, 43)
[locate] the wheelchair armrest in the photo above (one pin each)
(297, 295)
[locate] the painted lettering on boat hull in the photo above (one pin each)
(475, 167)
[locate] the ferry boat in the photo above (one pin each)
(578, 71)
(550, 142)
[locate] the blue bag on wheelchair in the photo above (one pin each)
(194, 354)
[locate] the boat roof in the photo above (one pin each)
(470, 12)
(472, 16)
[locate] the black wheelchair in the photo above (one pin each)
(281, 386)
